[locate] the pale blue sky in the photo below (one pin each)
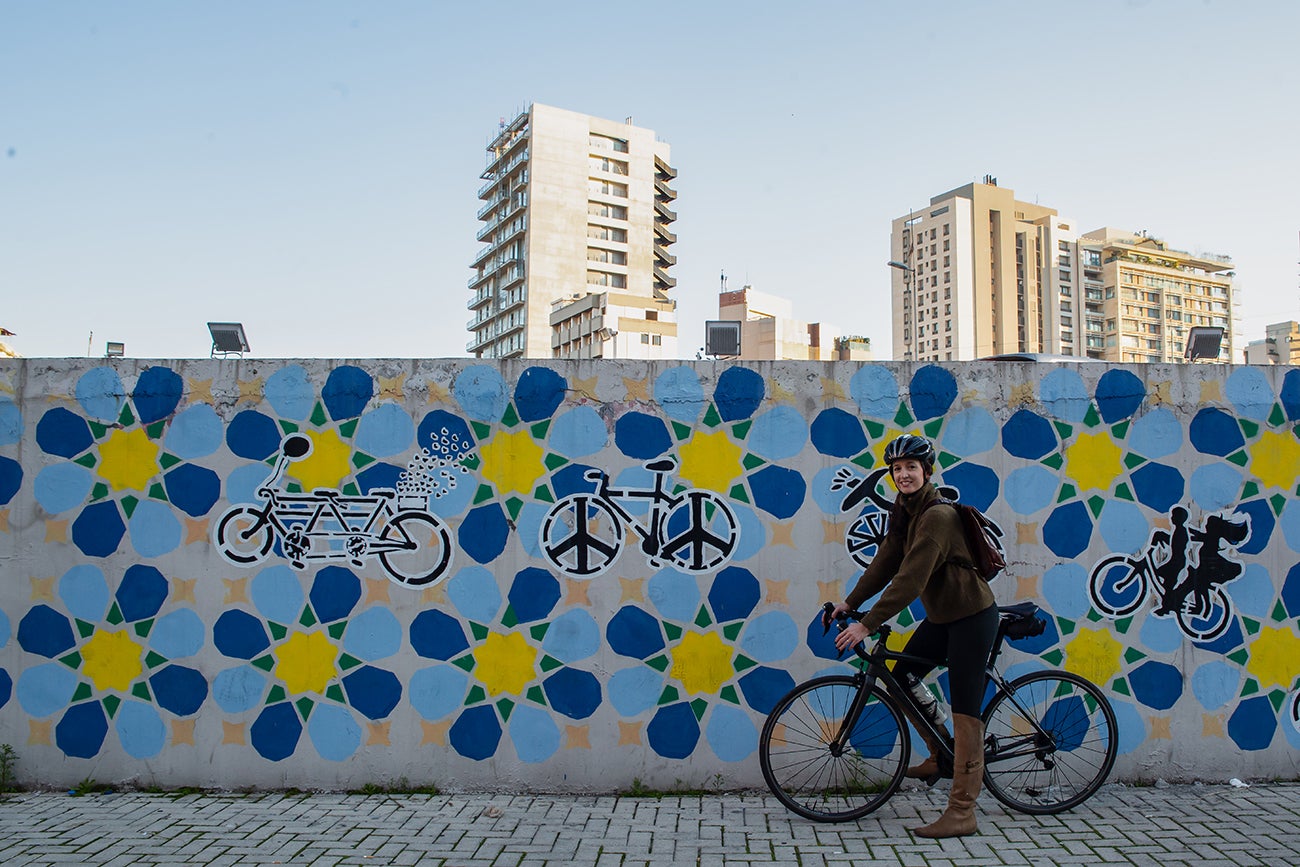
(310, 168)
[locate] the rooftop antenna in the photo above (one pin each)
(89, 341)
(723, 278)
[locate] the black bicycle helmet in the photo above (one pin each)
(910, 446)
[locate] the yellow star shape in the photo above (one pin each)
(1022, 394)
(1161, 393)
(38, 732)
(832, 390)
(438, 393)
(1212, 725)
(391, 386)
(778, 392)
(1160, 729)
(201, 391)
(629, 734)
(1027, 587)
(778, 592)
(633, 590)
(196, 530)
(377, 734)
(575, 593)
(577, 737)
(43, 588)
(377, 591)
(783, 533)
(585, 388)
(1026, 534)
(56, 531)
(250, 390)
(435, 595)
(182, 732)
(233, 733)
(830, 591)
(832, 531)
(183, 589)
(236, 590)
(434, 732)
(1211, 391)
(637, 389)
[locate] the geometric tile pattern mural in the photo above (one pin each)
(302, 573)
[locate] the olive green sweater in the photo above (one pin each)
(917, 563)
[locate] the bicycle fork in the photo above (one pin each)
(866, 685)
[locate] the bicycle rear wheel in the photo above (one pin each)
(1050, 744)
(813, 778)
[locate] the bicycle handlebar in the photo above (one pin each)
(842, 619)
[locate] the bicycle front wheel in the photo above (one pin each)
(814, 776)
(1049, 743)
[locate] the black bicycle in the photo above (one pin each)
(837, 747)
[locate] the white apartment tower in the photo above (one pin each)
(979, 273)
(576, 221)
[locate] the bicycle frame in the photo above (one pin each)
(1033, 742)
(660, 502)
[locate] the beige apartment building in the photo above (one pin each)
(769, 331)
(576, 219)
(979, 273)
(1280, 345)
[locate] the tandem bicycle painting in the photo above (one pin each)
(413, 545)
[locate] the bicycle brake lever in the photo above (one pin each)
(827, 610)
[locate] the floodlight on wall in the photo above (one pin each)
(113, 349)
(228, 339)
(1203, 341)
(722, 337)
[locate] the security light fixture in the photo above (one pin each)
(722, 337)
(1203, 341)
(228, 339)
(114, 349)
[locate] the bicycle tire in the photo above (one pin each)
(707, 541)
(804, 774)
(570, 544)
(1214, 623)
(1101, 587)
(432, 545)
(1059, 774)
(231, 542)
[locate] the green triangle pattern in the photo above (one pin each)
(276, 694)
(1248, 427)
(88, 461)
(511, 416)
(1067, 493)
(1054, 657)
(305, 707)
(359, 460)
(84, 629)
(903, 417)
(1119, 431)
(466, 662)
(1248, 490)
(1092, 418)
(484, 493)
(699, 706)
(514, 506)
(743, 662)
(668, 696)
(476, 695)
(111, 704)
(318, 416)
(335, 630)
(550, 663)
(933, 427)
(504, 706)
(539, 430)
(141, 690)
(543, 494)
(348, 428)
(1132, 460)
(1055, 461)
(142, 627)
(81, 693)
(711, 417)
(1123, 493)
(946, 460)
(673, 631)
(167, 461)
(1276, 697)
(731, 630)
(658, 663)
(478, 630)
(1095, 504)
(753, 462)
(351, 490)
(155, 430)
(1239, 457)
(128, 505)
(1279, 613)
(703, 619)
(1133, 655)
(739, 494)
(536, 695)
(334, 692)
(554, 461)
(1277, 501)
(265, 662)
(728, 693)
(1240, 656)
(1120, 685)
(538, 632)
(681, 431)
(1251, 687)
(740, 430)
(1063, 430)
(98, 429)
(288, 427)
(347, 661)
(126, 417)
(158, 492)
(481, 431)
(115, 614)
(153, 659)
(278, 631)
(1276, 418)
(307, 618)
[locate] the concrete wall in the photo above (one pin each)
(146, 635)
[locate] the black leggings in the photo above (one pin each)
(965, 645)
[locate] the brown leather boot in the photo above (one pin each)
(928, 769)
(968, 775)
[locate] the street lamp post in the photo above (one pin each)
(909, 289)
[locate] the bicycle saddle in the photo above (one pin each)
(663, 465)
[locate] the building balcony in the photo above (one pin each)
(662, 280)
(664, 192)
(479, 298)
(662, 256)
(664, 211)
(663, 234)
(480, 278)
(662, 168)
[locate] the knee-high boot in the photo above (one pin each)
(968, 775)
(928, 769)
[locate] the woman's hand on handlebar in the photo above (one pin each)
(851, 635)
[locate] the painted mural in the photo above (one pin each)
(569, 576)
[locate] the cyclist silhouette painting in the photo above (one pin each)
(924, 554)
(1212, 567)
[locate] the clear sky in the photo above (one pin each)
(310, 168)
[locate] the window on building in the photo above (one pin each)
(945, 231)
(614, 212)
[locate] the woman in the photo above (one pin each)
(925, 554)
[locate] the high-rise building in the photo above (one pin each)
(979, 273)
(576, 220)
(768, 330)
(1280, 345)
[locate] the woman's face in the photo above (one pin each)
(909, 475)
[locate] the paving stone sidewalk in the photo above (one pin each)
(1204, 825)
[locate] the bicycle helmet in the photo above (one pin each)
(914, 447)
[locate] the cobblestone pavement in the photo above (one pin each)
(1204, 825)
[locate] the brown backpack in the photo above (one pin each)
(983, 538)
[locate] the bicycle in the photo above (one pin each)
(413, 546)
(583, 534)
(1120, 584)
(836, 747)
